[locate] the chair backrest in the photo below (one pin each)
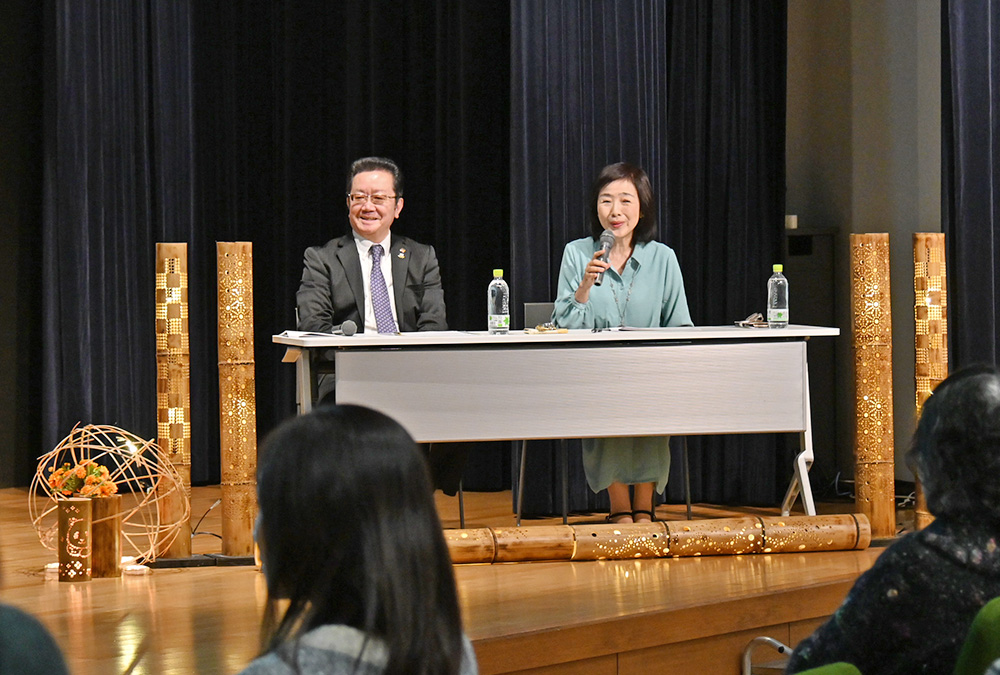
(982, 644)
(536, 313)
(839, 668)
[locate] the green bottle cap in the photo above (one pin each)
(498, 273)
(776, 268)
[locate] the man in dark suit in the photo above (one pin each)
(342, 281)
(393, 288)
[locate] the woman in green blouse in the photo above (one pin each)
(642, 287)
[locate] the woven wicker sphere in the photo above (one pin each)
(143, 473)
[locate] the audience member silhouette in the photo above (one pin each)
(911, 611)
(351, 541)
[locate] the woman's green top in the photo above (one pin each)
(649, 293)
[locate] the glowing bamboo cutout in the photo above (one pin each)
(930, 313)
(173, 387)
(237, 397)
(871, 321)
(74, 539)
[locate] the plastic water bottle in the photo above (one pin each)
(498, 304)
(777, 299)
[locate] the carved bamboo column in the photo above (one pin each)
(173, 391)
(871, 321)
(237, 397)
(930, 311)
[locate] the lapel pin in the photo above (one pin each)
(402, 253)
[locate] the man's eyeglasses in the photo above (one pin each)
(358, 198)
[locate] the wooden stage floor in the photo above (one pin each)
(684, 615)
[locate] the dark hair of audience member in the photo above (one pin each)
(645, 229)
(956, 450)
(350, 535)
(366, 164)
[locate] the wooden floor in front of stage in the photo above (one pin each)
(683, 615)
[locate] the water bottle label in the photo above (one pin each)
(777, 315)
(499, 321)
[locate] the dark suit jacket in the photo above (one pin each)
(332, 290)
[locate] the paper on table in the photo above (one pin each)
(303, 333)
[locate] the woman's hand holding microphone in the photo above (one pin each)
(596, 267)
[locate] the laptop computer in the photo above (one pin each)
(536, 313)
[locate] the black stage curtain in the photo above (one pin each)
(118, 174)
(970, 160)
(694, 92)
(170, 120)
(20, 245)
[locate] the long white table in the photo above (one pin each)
(472, 386)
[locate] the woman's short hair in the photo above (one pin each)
(377, 164)
(349, 535)
(956, 449)
(645, 229)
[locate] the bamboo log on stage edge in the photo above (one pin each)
(173, 391)
(514, 544)
(661, 539)
(237, 397)
(871, 321)
(930, 312)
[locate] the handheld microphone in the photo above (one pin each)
(348, 328)
(607, 241)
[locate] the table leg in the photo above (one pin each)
(687, 476)
(303, 382)
(520, 481)
(564, 463)
(804, 460)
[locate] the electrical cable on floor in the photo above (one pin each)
(902, 501)
(194, 530)
(836, 488)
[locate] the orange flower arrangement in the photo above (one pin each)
(86, 479)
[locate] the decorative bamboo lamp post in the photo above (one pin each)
(173, 389)
(237, 397)
(871, 321)
(930, 311)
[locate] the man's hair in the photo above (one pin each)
(377, 164)
(645, 229)
(350, 535)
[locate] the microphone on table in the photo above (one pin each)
(348, 328)
(607, 241)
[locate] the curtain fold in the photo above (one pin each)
(970, 162)
(113, 186)
(694, 92)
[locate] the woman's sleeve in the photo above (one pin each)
(873, 627)
(674, 311)
(569, 313)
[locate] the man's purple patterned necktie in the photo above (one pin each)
(380, 295)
